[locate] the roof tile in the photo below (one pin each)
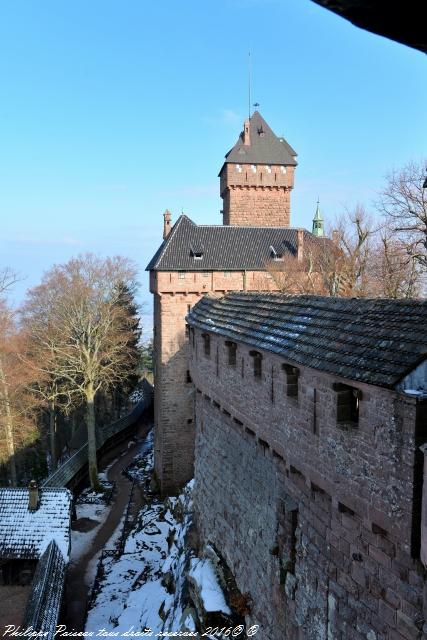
(376, 341)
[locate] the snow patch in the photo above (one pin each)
(203, 573)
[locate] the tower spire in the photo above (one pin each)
(318, 228)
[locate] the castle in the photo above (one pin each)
(256, 180)
(302, 418)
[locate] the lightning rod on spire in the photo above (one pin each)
(249, 84)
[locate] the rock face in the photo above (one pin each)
(158, 581)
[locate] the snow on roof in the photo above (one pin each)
(27, 534)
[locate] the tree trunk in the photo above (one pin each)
(91, 439)
(10, 444)
(52, 434)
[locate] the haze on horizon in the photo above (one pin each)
(110, 114)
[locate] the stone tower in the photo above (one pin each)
(318, 227)
(256, 180)
(257, 177)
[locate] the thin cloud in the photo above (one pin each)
(225, 117)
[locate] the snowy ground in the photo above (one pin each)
(91, 507)
(143, 588)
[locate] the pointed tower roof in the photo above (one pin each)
(318, 229)
(264, 147)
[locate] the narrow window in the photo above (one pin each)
(232, 352)
(289, 519)
(188, 378)
(187, 330)
(257, 357)
(348, 400)
(292, 375)
(206, 344)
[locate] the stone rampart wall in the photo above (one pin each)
(315, 518)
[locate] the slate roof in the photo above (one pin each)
(373, 341)
(44, 603)
(224, 247)
(26, 534)
(264, 148)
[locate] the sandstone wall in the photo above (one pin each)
(174, 294)
(316, 519)
(256, 195)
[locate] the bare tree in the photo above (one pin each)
(17, 407)
(403, 202)
(392, 272)
(80, 335)
(336, 266)
(8, 278)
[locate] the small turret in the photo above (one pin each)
(318, 228)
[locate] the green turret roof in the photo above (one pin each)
(318, 229)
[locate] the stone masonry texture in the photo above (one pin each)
(315, 518)
(256, 195)
(173, 398)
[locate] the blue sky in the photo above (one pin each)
(111, 112)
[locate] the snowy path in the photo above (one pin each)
(83, 564)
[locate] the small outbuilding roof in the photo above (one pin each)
(223, 247)
(264, 148)
(375, 341)
(27, 534)
(47, 588)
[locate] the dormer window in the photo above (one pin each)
(276, 254)
(253, 167)
(197, 251)
(282, 169)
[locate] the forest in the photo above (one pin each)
(71, 361)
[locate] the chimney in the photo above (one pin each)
(300, 244)
(246, 133)
(33, 496)
(167, 222)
